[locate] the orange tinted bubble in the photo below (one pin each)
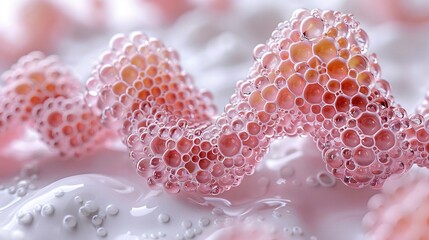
(256, 101)
(55, 119)
(22, 89)
(369, 123)
(313, 93)
(333, 85)
(329, 98)
(184, 145)
(37, 77)
(229, 145)
(172, 158)
(139, 61)
(325, 49)
(328, 111)
(311, 75)
(342, 104)
(286, 68)
(384, 139)
(337, 68)
(129, 74)
(301, 51)
(285, 99)
(270, 93)
(358, 62)
(119, 88)
(365, 79)
(296, 84)
(349, 87)
(360, 102)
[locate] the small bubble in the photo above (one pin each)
(204, 222)
(186, 224)
(91, 206)
(189, 234)
(286, 172)
(112, 210)
(297, 231)
(78, 200)
(25, 218)
(47, 210)
(311, 181)
(96, 220)
(163, 218)
(69, 222)
(59, 193)
(325, 179)
(101, 232)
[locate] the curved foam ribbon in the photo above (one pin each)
(312, 77)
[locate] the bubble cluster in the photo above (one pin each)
(42, 93)
(141, 69)
(68, 125)
(312, 77)
(32, 80)
(400, 211)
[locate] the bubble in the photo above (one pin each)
(24, 218)
(172, 158)
(363, 156)
(312, 27)
(350, 138)
(112, 210)
(101, 232)
(96, 220)
(384, 139)
(362, 39)
(337, 68)
(296, 84)
(369, 123)
(333, 158)
(325, 179)
(300, 51)
(69, 222)
(47, 210)
(229, 145)
(313, 93)
(325, 49)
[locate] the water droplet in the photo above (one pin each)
(47, 210)
(204, 222)
(112, 210)
(163, 218)
(325, 179)
(186, 224)
(311, 181)
(25, 218)
(69, 222)
(101, 232)
(96, 220)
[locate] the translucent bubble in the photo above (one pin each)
(369, 123)
(300, 51)
(312, 27)
(362, 40)
(363, 156)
